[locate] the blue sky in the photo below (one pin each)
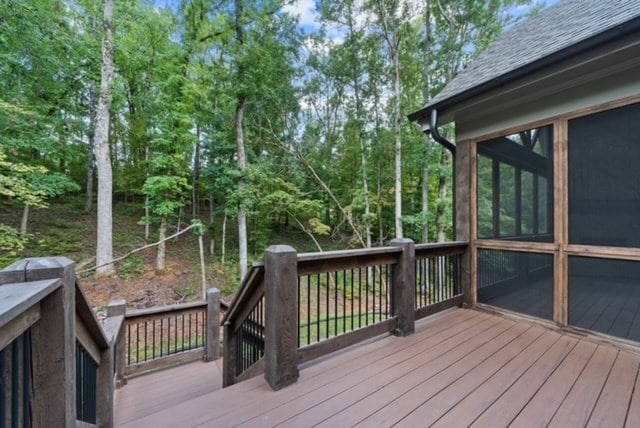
(305, 10)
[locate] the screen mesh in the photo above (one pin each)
(515, 186)
(520, 282)
(604, 296)
(604, 178)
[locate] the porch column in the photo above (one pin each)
(403, 296)
(281, 316)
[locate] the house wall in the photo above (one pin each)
(610, 89)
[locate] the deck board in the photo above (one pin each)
(460, 368)
(513, 399)
(613, 403)
(579, 403)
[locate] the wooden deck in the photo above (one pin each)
(461, 368)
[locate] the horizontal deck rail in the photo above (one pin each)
(296, 307)
(168, 335)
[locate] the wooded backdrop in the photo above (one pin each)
(234, 109)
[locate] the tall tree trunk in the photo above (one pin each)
(242, 214)
(224, 239)
(104, 250)
(147, 213)
(202, 267)
(212, 217)
(25, 220)
(160, 255)
(195, 190)
(398, 141)
(242, 157)
(391, 33)
(360, 121)
(88, 206)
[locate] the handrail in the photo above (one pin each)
(249, 283)
(458, 247)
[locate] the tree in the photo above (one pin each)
(104, 246)
(389, 15)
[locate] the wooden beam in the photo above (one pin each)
(560, 218)
(527, 247)
(17, 298)
(18, 325)
(86, 340)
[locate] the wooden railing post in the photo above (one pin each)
(281, 315)
(118, 308)
(213, 325)
(230, 355)
(53, 343)
(403, 287)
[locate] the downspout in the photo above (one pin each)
(438, 138)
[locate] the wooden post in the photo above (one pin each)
(403, 287)
(118, 308)
(230, 352)
(53, 343)
(281, 314)
(213, 325)
(465, 202)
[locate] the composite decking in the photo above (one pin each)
(460, 368)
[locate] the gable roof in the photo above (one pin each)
(567, 28)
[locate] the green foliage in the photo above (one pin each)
(131, 267)
(11, 244)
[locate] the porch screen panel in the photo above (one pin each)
(604, 296)
(516, 281)
(604, 178)
(515, 186)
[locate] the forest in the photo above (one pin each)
(245, 121)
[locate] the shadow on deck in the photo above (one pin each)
(460, 368)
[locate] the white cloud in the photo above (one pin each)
(305, 10)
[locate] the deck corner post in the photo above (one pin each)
(281, 314)
(403, 287)
(118, 308)
(212, 351)
(53, 340)
(230, 355)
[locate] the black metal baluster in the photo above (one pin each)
(318, 307)
(326, 310)
(335, 303)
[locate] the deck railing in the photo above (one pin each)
(163, 336)
(438, 276)
(59, 365)
(296, 307)
(57, 360)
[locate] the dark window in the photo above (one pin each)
(515, 186)
(520, 282)
(604, 296)
(604, 178)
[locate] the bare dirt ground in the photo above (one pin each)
(63, 229)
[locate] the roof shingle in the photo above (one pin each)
(552, 30)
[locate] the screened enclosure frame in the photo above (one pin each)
(560, 247)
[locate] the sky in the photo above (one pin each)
(305, 10)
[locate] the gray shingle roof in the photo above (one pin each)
(556, 28)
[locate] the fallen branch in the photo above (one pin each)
(144, 247)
